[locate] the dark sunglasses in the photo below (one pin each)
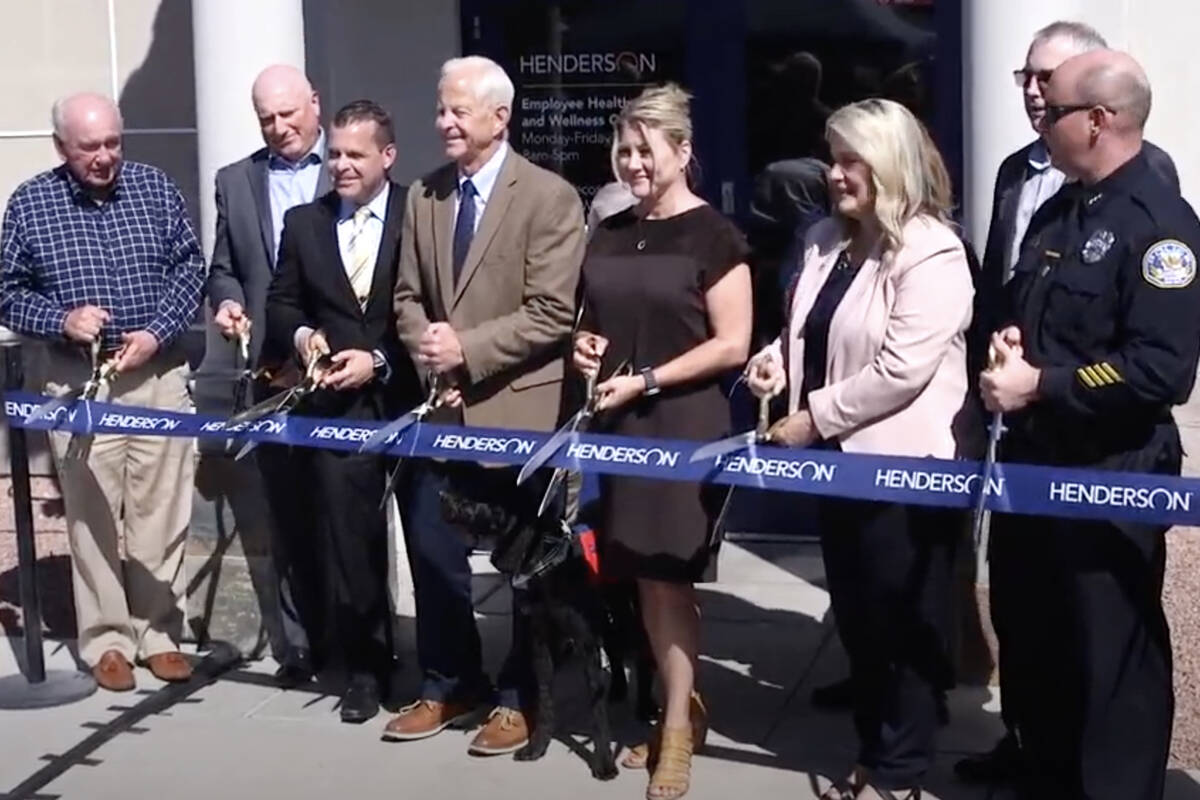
(1055, 113)
(1023, 76)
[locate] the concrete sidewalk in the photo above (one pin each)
(765, 646)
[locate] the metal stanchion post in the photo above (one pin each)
(36, 688)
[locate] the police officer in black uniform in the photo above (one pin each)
(1101, 339)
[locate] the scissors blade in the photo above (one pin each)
(724, 446)
(547, 450)
(48, 408)
(394, 427)
(551, 488)
(262, 409)
(246, 448)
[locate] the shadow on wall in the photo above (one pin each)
(159, 98)
(160, 94)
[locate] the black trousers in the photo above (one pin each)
(889, 570)
(1005, 594)
(353, 553)
(1089, 655)
(287, 481)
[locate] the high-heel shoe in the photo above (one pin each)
(642, 755)
(673, 773)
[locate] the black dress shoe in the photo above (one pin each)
(289, 676)
(837, 696)
(361, 700)
(1002, 764)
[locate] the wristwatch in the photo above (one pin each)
(652, 387)
(379, 362)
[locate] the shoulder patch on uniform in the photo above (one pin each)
(1169, 264)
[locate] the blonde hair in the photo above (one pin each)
(665, 108)
(907, 171)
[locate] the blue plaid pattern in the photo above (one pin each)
(135, 255)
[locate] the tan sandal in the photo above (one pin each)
(673, 772)
(640, 756)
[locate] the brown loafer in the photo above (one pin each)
(506, 731)
(171, 667)
(113, 672)
(425, 718)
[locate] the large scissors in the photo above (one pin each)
(980, 519)
(580, 419)
(102, 374)
(245, 379)
(282, 402)
(433, 401)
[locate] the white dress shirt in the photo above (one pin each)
(373, 231)
(1041, 183)
(484, 180)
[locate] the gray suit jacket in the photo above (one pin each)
(243, 259)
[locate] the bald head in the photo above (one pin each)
(87, 135)
(1107, 78)
(1096, 107)
(288, 110)
(83, 109)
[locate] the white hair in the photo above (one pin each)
(58, 111)
(491, 84)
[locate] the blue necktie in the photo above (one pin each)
(464, 226)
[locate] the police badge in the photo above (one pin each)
(1169, 264)
(1097, 246)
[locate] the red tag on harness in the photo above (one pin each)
(587, 543)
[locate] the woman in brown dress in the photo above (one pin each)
(665, 290)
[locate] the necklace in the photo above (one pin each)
(641, 234)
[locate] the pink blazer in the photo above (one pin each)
(896, 367)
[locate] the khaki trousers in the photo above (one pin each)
(132, 489)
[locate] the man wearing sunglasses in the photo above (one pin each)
(1101, 338)
(1025, 181)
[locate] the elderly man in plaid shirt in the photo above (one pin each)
(101, 249)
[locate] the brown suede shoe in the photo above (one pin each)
(506, 731)
(170, 667)
(113, 672)
(424, 718)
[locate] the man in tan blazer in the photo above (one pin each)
(485, 298)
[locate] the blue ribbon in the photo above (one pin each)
(1016, 488)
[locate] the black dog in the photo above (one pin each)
(544, 561)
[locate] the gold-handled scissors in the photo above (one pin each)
(580, 419)
(101, 375)
(282, 402)
(413, 418)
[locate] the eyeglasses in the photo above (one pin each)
(1022, 76)
(1055, 113)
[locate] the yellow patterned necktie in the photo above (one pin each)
(361, 268)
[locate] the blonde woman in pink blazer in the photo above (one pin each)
(873, 360)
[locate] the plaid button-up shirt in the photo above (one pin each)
(134, 255)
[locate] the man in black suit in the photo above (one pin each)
(332, 295)
(252, 196)
(1025, 181)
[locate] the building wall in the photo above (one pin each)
(140, 51)
(1145, 28)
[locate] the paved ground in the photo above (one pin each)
(766, 646)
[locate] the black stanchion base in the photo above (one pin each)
(60, 688)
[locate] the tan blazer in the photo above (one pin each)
(896, 368)
(514, 305)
